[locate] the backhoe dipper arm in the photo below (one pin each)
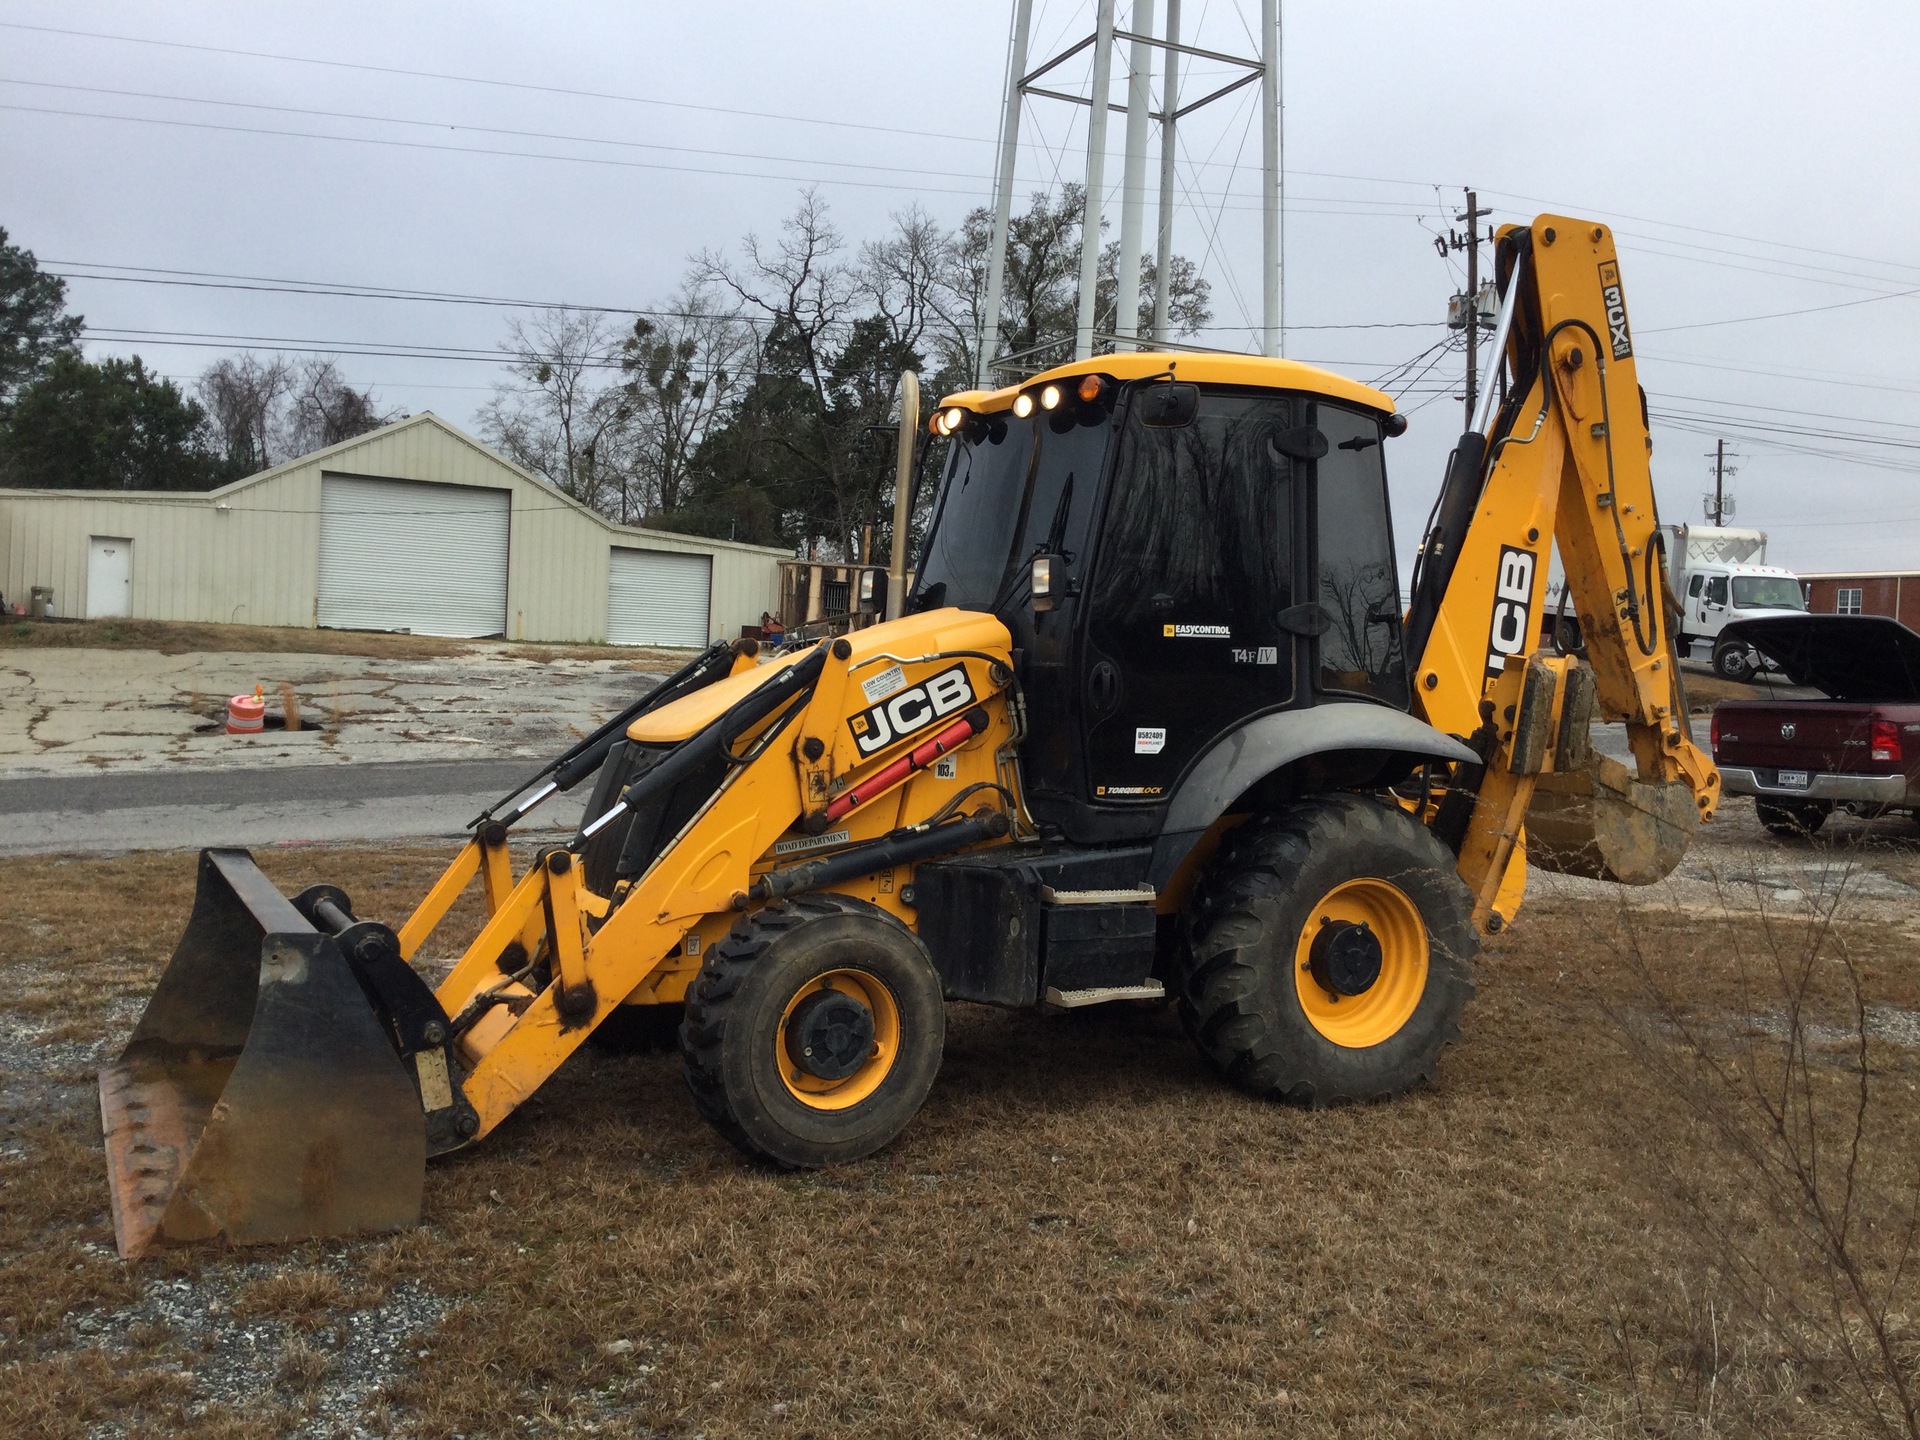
(1565, 459)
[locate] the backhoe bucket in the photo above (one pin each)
(260, 1097)
(1600, 822)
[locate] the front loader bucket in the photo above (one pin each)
(1600, 822)
(259, 1097)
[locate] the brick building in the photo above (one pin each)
(1886, 592)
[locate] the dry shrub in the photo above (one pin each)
(1790, 1161)
(303, 1298)
(301, 1368)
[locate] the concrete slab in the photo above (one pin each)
(65, 712)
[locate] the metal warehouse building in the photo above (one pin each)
(415, 526)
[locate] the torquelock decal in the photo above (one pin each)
(1512, 606)
(913, 709)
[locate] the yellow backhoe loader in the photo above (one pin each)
(1151, 722)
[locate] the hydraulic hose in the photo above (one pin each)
(580, 760)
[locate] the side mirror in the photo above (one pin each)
(1394, 425)
(1169, 406)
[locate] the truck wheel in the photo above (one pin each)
(1332, 953)
(813, 1032)
(1730, 662)
(1793, 819)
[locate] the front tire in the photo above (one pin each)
(1730, 661)
(814, 1031)
(1286, 994)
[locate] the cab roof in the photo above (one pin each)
(1201, 367)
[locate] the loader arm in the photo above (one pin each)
(1562, 460)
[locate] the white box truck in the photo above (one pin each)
(1719, 575)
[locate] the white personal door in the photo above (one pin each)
(658, 597)
(109, 576)
(403, 555)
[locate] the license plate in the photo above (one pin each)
(1793, 779)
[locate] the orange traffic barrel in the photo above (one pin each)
(246, 715)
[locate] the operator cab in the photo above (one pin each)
(1178, 544)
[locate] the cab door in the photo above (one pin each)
(1199, 547)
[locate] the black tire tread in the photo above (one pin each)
(711, 1001)
(1223, 991)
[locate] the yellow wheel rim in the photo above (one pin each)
(1376, 1014)
(822, 1094)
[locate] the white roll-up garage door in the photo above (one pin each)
(402, 555)
(658, 597)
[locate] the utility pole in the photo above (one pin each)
(1273, 195)
(1096, 176)
(1465, 311)
(1720, 504)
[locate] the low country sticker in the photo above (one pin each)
(878, 687)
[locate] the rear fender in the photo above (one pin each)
(1262, 746)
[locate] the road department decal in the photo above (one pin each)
(812, 842)
(1512, 604)
(1196, 632)
(1616, 303)
(911, 710)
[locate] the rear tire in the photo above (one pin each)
(1730, 661)
(1253, 996)
(828, 970)
(1793, 819)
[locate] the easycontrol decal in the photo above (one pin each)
(1196, 632)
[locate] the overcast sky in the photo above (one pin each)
(1753, 159)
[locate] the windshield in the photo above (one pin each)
(1767, 592)
(971, 539)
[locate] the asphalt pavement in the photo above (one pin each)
(297, 805)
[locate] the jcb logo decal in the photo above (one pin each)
(1616, 303)
(912, 709)
(1512, 604)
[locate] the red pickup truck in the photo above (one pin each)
(1857, 748)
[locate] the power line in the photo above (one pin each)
(486, 80)
(205, 279)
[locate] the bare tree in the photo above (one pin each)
(322, 409)
(565, 416)
(242, 394)
(810, 299)
(683, 370)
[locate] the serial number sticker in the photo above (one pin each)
(878, 687)
(1793, 779)
(947, 767)
(812, 842)
(1196, 632)
(1149, 741)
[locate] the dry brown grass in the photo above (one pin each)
(171, 637)
(1085, 1233)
